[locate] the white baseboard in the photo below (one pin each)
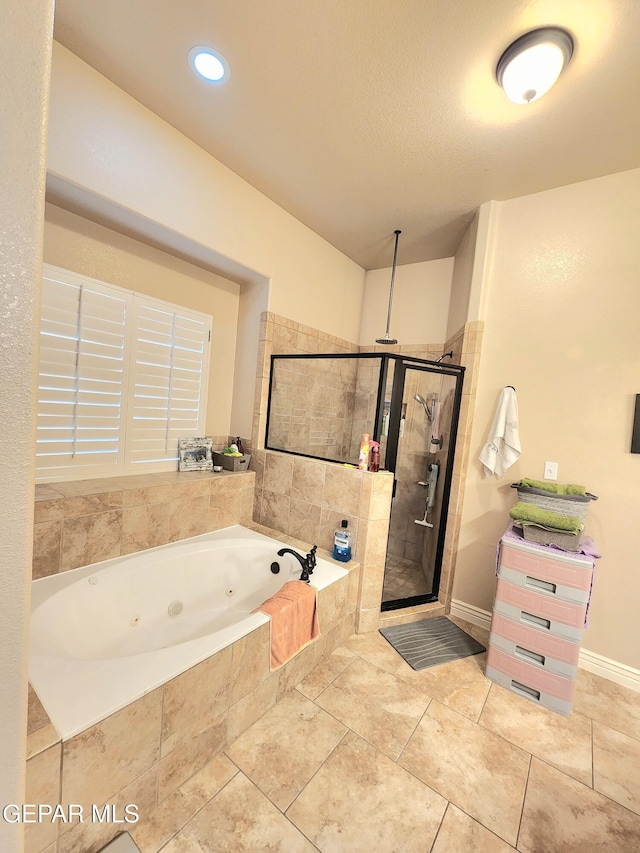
(622, 674)
(472, 614)
(617, 672)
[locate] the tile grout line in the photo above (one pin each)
(415, 728)
(593, 757)
(613, 728)
(593, 790)
(326, 687)
(524, 798)
(444, 814)
(484, 705)
(314, 774)
(197, 812)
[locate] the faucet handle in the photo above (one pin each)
(311, 559)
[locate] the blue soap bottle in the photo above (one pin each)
(342, 543)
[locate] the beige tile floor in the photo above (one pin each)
(402, 579)
(368, 755)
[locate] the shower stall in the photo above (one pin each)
(320, 406)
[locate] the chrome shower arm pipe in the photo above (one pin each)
(393, 279)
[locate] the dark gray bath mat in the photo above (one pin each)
(430, 642)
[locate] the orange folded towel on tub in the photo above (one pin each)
(294, 621)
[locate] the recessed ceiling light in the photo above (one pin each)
(208, 64)
(531, 65)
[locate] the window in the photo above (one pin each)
(122, 377)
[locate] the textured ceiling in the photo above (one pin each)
(363, 116)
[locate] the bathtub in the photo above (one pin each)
(104, 635)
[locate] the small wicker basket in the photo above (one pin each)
(570, 506)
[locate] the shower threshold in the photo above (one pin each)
(415, 613)
(411, 601)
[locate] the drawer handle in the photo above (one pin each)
(538, 621)
(534, 657)
(529, 692)
(545, 586)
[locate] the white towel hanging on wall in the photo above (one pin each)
(502, 447)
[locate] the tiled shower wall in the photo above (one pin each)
(312, 406)
(405, 537)
(279, 335)
(290, 511)
(414, 455)
(365, 403)
(308, 498)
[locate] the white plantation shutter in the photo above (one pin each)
(80, 389)
(168, 380)
(122, 378)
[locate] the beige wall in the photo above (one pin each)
(82, 246)
(561, 325)
(25, 32)
(461, 279)
(420, 302)
(110, 151)
(254, 301)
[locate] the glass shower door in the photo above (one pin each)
(426, 406)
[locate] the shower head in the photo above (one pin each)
(444, 355)
(386, 340)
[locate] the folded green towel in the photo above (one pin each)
(553, 488)
(572, 489)
(534, 514)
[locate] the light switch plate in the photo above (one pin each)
(550, 471)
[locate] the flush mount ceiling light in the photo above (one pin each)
(208, 64)
(531, 65)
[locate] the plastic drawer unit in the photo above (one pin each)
(565, 577)
(533, 646)
(552, 691)
(539, 614)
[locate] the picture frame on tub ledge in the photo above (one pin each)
(195, 454)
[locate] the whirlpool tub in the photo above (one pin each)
(107, 634)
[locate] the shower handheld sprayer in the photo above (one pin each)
(427, 410)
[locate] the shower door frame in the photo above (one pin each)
(382, 378)
(403, 363)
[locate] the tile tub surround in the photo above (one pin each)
(81, 522)
(145, 752)
(308, 498)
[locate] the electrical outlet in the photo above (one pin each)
(550, 471)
